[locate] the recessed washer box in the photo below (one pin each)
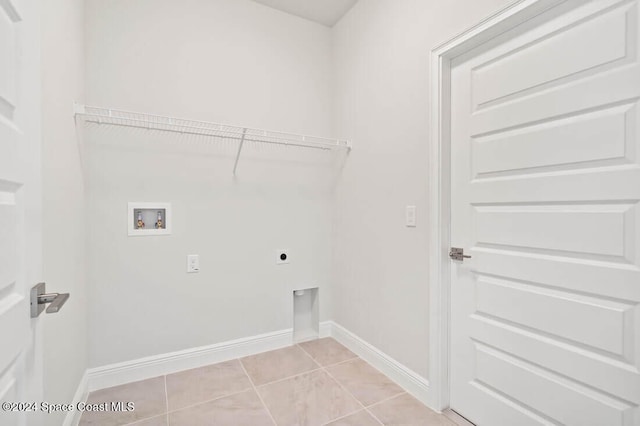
(148, 219)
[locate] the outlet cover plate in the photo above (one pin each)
(193, 263)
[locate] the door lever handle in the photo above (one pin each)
(457, 253)
(56, 300)
(39, 299)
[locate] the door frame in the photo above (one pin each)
(439, 210)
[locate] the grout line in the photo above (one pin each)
(367, 409)
(374, 417)
(309, 355)
(341, 362)
(343, 417)
(257, 393)
(347, 391)
(166, 397)
(208, 400)
(290, 377)
(328, 365)
(386, 399)
(352, 396)
(318, 367)
(166, 404)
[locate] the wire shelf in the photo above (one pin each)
(116, 117)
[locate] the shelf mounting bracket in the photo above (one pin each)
(235, 166)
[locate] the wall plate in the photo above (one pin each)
(193, 263)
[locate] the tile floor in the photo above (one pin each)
(319, 382)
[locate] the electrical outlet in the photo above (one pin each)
(282, 256)
(193, 263)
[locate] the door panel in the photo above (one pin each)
(556, 228)
(563, 400)
(604, 35)
(9, 392)
(602, 371)
(594, 322)
(20, 205)
(545, 187)
(8, 28)
(561, 145)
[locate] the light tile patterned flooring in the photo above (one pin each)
(319, 382)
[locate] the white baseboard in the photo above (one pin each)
(411, 381)
(159, 365)
(325, 329)
(82, 392)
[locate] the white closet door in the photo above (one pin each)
(20, 207)
(545, 321)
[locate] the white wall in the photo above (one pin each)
(65, 333)
(239, 62)
(216, 60)
(381, 72)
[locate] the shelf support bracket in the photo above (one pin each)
(235, 166)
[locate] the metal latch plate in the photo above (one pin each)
(37, 308)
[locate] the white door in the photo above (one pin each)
(545, 163)
(20, 205)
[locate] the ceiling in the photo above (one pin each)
(325, 12)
